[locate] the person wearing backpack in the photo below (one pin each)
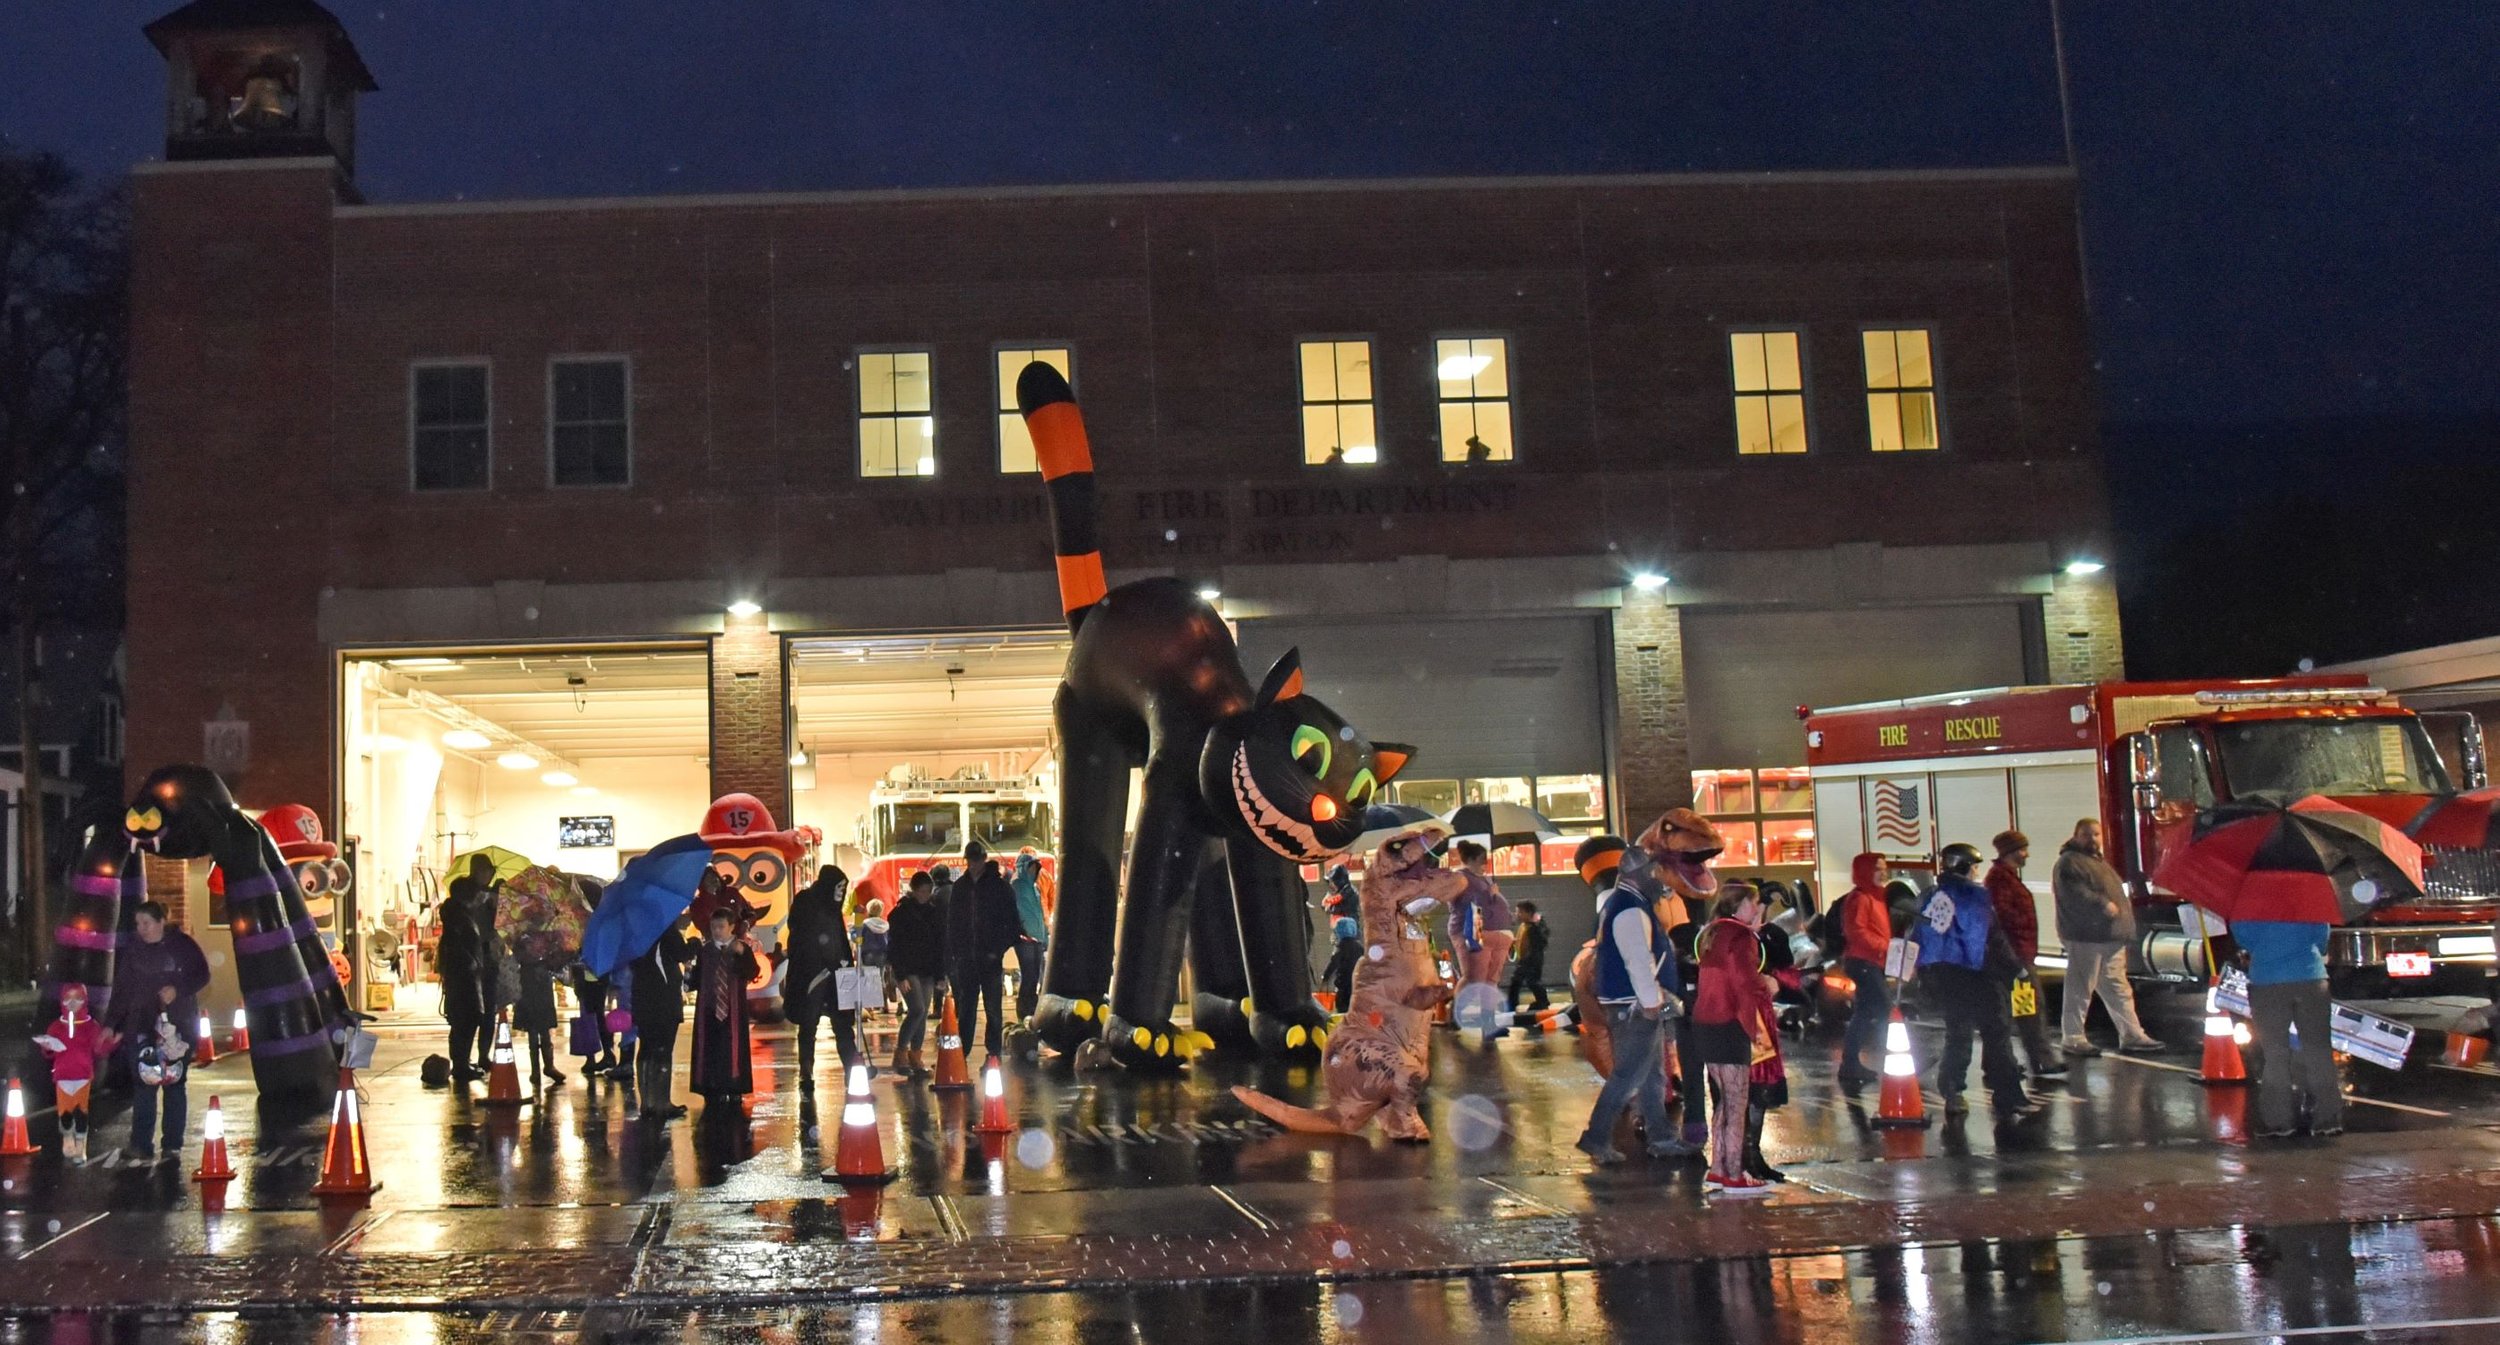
(1864, 934)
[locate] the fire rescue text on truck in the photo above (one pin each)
(1905, 778)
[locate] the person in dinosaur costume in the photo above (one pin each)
(1381, 1056)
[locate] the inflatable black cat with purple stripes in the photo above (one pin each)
(291, 995)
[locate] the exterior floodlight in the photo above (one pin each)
(1649, 581)
(744, 607)
(517, 761)
(2080, 568)
(467, 740)
(1211, 594)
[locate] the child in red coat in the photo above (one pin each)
(75, 1042)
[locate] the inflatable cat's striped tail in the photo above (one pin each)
(1067, 463)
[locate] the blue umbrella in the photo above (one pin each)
(645, 900)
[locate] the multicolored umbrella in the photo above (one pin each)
(2312, 860)
(2461, 821)
(541, 912)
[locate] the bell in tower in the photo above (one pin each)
(251, 79)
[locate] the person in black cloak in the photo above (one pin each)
(724, 964)
(459, 965)
(820, 946)
(658, 999)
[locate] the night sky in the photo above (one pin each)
(2289, 207)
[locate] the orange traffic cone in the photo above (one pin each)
(954, 1074)
(994, 1117)
(859, 1156)
(2222, 1049)
(241, 1041)
(204, 1051)
(13, 1142)
(503, 1077)
(1903, 1103)
(345, 1172)
(214, 1165)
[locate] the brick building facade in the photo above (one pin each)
(279, 323)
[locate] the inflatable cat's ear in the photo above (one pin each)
(1284, 681)
(1388, 759)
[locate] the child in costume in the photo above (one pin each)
(75, 1042)
(164, 1062)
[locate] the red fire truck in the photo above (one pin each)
(1905, 778)
(916, 821)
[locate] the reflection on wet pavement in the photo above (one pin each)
(1115, 1184)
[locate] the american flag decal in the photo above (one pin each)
(1897, 813)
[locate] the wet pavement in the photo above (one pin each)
(1141, 1206)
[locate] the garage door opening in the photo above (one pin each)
(908, 745)
(577, 759)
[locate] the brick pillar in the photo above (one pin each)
(2080, 619)
(1653, 721)
(750, 737)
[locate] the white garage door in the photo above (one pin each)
(1747, 672)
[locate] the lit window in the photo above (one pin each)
(897, 435)
(1015, 442)
(1770, 392)
(589, 426)
(449, 444)
(1337, 424)
(1474, 376)
(1900, 390)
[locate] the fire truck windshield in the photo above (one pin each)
(1007, 827)
(2295, 757)
(921, 828)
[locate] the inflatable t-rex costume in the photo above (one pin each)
(1681, 843)
(1379, 1059)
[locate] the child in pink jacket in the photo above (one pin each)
(75, 1041)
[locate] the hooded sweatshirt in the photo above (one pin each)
(1865, 917)
(1028, 885)
(818, 943)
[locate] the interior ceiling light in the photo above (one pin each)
(517, 761)
(1363, 453)
(1460, 368)
(467, 740)
(744, 607)
(2079, 568)
(422, 662)
(1649, 581)
(799, 756)
(559, 779)
(585, 790)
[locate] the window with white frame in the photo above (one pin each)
(590, 436)
(897, 432)
(1473, 374)
(1339, 428)
(450, 442)
(1900, 390)
(1770, 392)
(1015, 442)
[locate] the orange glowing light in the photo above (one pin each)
(1323, 808)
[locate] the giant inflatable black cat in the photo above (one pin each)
(1241, 785)
(291, 996)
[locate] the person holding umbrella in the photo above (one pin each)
(2281, 875)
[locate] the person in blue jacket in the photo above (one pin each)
(2287, 993)
(1968, 968)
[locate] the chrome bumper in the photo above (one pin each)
(2446, 945)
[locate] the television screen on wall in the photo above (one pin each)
(586, 833)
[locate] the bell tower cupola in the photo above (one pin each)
(253, 79)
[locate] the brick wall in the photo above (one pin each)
(750, 745)
(2080, 618)
(1653, 729)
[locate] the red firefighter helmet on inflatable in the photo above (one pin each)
(741, 821)
(297, 830)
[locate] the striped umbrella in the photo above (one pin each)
(2311, 860)
(2460, 821)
